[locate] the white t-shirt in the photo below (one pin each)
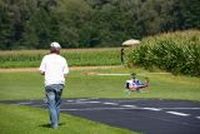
(55, 67)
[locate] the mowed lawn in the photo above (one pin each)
(83, 84)
(89, 84)
(27, 120)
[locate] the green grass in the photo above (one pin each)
(26, 85)
(162, 86)
(75, 57)
(26, 120)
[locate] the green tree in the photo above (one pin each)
(33, 24)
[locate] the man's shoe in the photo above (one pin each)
(54, 126)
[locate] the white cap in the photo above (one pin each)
(55, 45)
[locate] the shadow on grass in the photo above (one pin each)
(49, 126)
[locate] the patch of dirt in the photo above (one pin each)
(18, 70)
(71, 68)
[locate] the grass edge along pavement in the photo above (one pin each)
(33, 81)
(28, 120)
(24, 119)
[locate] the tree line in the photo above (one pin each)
(33, 24)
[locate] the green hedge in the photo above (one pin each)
(177, 52)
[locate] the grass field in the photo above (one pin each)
(26, 120)
(75, 57)
(86, 83)
(83, 83)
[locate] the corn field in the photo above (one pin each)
(177, 52)
(75, 57)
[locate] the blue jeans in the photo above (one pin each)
(53, 94)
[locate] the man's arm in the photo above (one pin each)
(42, 67)
(66, 69)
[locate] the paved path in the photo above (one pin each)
(146, 116)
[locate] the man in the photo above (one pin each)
(54, 68)
(122, 55)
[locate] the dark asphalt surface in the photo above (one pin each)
(146, 116)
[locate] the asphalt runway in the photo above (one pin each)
(146, 116)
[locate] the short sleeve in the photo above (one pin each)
(66, 68)
(42, 67)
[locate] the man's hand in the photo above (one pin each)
(42, 73)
